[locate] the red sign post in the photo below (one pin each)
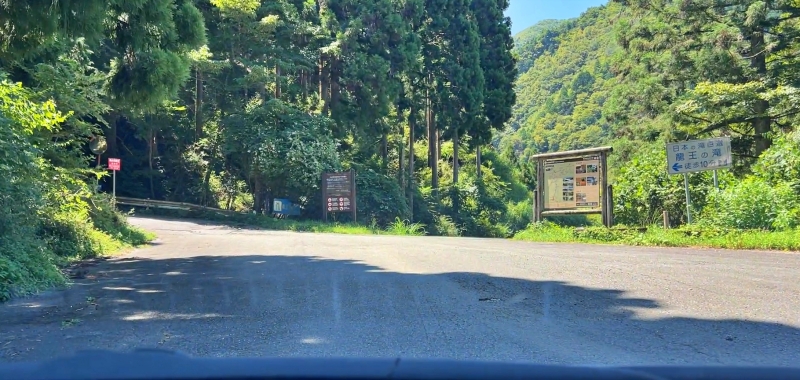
(114, 164)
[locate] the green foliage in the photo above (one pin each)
(536, 40)
(754, 204)
(404, 227)
(656, 236)
(735, 64)
(47, 210)
(444, 226)
(477, 213)
(519, 214)
(233, 102)
(288, 148)
(780, 164)
(379, 198)
(643, 190)
(153, 77)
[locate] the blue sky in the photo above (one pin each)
(525, 13)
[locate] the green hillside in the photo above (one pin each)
(635, 75)
(572, 94)
(536, 40)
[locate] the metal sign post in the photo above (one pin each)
(716, 181)
(688, 198)
(114, 164)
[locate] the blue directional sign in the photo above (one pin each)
(699, 155)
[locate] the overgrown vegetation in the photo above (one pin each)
(230, 104)
(49, 214)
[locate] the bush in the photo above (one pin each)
(379, 198)
(48, 215)
(643, 189)
(474, 209)
(444, 226)
(754, 204)
(405, 228)
(781, 162)
(519, 215)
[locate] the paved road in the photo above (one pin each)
(215, 291)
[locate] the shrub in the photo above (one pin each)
(379, 197)
(754, 204)
(444, 226)
(48, 215)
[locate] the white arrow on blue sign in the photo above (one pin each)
(699, 155)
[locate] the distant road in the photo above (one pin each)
(210, 290)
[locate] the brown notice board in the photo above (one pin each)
(572, 182)
(339, 193)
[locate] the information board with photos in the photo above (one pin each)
(572, 183)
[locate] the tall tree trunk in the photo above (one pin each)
(206, 180)
(207, 176)
(454, 189)
(277, 81)
(334, 89)
(198, 104)
(150, 142)
(455, 157)
(304, 83)
(324, 84)
(429, 129)
(478, 168)
(111, 134)
(439, 140)
(762, 123)
(401, 157)
(412, 124)
(433, 146)
(258, 196)
(384, 151)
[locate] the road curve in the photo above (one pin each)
(210, 290)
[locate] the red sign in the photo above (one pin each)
(114, 164)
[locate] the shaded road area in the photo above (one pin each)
(216, 291)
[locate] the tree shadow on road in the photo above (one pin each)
(261, 305)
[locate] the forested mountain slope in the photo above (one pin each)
(535, 40)
(571, 91)
(643, 71)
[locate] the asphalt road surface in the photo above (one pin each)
(216, 291)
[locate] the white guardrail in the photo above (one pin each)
(151, 203)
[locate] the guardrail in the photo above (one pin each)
(151, 203)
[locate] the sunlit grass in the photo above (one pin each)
(657, 236)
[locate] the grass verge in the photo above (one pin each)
(688, 236)
(34, 258)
